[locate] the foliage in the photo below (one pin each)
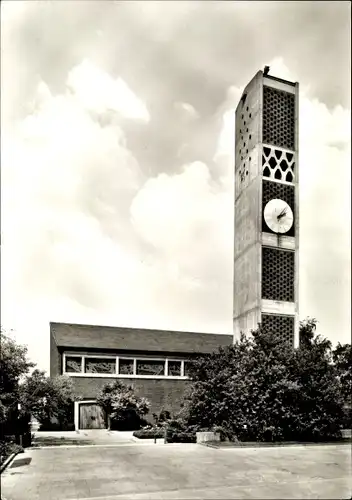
(13, 366)
(342, 358)
(261, 389)
(179, 431)
(7, 448)
(163, 417)
(122, 405)
(181, 437)
(152, 433)
(224, 433)
(48, 398)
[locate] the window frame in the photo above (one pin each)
(117, 375)
(111, 358)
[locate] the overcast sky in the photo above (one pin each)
(117, 159)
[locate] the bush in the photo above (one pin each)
(125, 409)
(149, 433)
(347, 418)
(164, 416)
(178, 431)
(177, 436)
(225, 434)
(7, 448)
(262, 389)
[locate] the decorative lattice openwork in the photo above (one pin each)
(100, 365)
(278, 118)
(284, 192)
(174, 368)
(73, 364)
(281, 326)
(278, 274)
(277, 164)
(145, 367)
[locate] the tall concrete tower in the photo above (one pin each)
(266, 208)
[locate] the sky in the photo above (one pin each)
(117, 168)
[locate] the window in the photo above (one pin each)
(126, 366)
(73, 364)
(97, 365)
(100, 365)
(174, 368)
(152, 367)
(186, 368)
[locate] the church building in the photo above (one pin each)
(154, 362)
(266, 247)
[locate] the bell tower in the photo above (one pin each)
(266, 208)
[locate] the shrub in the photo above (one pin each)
(122, 406)
(164, 416)
(178, 436)
(179, 431)
(7, 448)
(261, 389)
(347, 418)
(225, 434)
(48, 399)
(150, 433)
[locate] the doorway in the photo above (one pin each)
(91, 416)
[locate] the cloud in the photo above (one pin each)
(186, 110)
(179, 215)
(68, 184)
(98, 92)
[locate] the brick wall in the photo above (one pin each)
(55, 358)
(163, 394)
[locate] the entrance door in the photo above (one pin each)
(91, 416)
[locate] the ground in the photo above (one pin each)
(179, 471)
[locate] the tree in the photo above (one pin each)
(342, 358)
(48, 398)
(122, 406)
(262, 389)
(320, 402)
(14, 364)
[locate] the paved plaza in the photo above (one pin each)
(179, 471)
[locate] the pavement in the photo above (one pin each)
(85, 437)
(179, 471)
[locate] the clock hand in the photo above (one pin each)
(282, 214)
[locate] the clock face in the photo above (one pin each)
(278, 216)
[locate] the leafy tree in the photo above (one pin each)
(262, 389)
(342, 358)
(122, 406)
(48, 398)
(320, 402)
(14, 364)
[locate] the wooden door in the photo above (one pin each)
(91, 416)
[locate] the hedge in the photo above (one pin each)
(149, 433)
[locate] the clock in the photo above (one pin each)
(278, 216)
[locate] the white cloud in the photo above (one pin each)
(187, 218)
(98, 91)
(186, 110)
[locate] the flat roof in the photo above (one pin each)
(135, 339)
(280, 80)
